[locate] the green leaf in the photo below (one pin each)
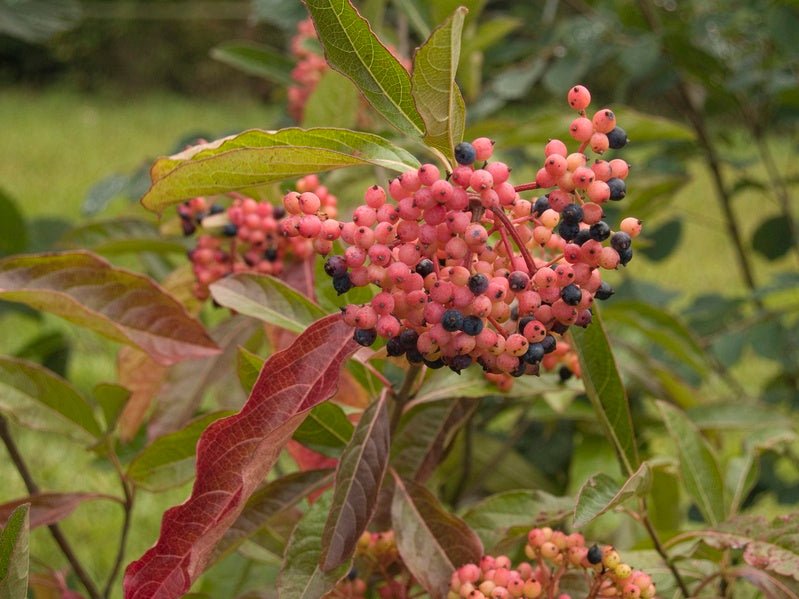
(417, 15)
(352, 48)
(248, 366)
(605, 390)
(256, 157)
(40, 399)
(14, 557)
(490, 32)
(255, 59)
(36, 21)
(268, 299)
(359, 475)
(112, 399)
(301, 577)
(698, 466)
(271, 501)
(601, 493)
(735, 416)
(431, 541)
(435, 92)
(169, 460)
(326, 429)
(120, 235)
(513, 513)
(664, 240)
(126, 307)
(13, 230)
(772, 239)
(334, 103)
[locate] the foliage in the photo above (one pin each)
(332, 468)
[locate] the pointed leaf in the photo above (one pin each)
(14, 555)
(255, 59)
(601, 493)
(143, 377)
(605, 390)
(431, 541)
(48, 508)
(235, 454)
(352, 48)
(322, 111)
(301, 577)
(248, 365)
(258, 157)
(358, 477)
(326, 429)
(13, 230)
(514, 513)
(435, 92)
(698, 466)
(268, 502)
(268, 299)
(126, 307)
(169, 460)
(40, 399)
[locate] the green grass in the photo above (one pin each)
(56, 145)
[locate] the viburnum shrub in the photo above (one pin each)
(333, 410)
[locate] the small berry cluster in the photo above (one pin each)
(552, 555)
(377, 565)
(249, 237)
(469, 271)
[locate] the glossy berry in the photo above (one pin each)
(568, 231)
(604, 292)
(394, 347)
(594, 555)
(342, 284)
(572, 213)
(452, 320)
(618, 189)
(365, 337)
(478, 283)
(579, 97)
(425, 267)
(472, 325)
(571, 294)
(541, 205)
(465, 153)
(599, 231)
(617, 138)
(620, 241)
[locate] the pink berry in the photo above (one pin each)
(581, 129)
(484, 148)
(579, 97)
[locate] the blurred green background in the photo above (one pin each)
(91, 92)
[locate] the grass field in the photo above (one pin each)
(56, 145)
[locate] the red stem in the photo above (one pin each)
(528, 259)
(526, 186)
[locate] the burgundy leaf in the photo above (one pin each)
(124, 306)
(49, 508)
(360, 472)
(431, 541)
(235, 454)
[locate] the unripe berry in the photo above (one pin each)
(579, 97)
(581, 129)
(484, 148)
(604, 120)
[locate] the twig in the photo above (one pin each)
(126, 521)
(528, 259)
(644, 519)
(403, 396)
(55, 530)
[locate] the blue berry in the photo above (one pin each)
(336, 266)
(425, 267)
(618, 189)
(458, 363)
(599, 231)
(270, 254)
(541, 205)
(620, 241)
(535, 353)
(478, 283)
(342, 284)
(573, 213)
(394, 347)
(465, 153)
(617, 138)
(434, 364)
(518, 280)
(216, 209)
(594, 555)
(568, 230)
(549, 343)
(472, 325)
(408, 339)
(571, 294)
(625, 256)
(365, 337)
(604, 291)
(414, 356)
(582, 236)
(230, 230)
(452, 320)
(565, 374)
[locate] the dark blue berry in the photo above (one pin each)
(519, 370)
(549, 343)
(518, 280)
(568, 230)
(465, 153)
(270, 254)
(394, 347)
(425, 267)
(523, 322)
(342, 284)
(625, 256)
(594, 554)
(599, 231)
(230, 230)
(472, 325)
(604, 291)
(414, 356)
(559, 328)
(478, 283)
(617, 138)
(188, 227)
(582, 236)
(365, 337)
(573, 213)
(541, 205)
(278, 212)
(216, 209)
(564, 373)
(618, 189)
(620, 241)
(408, 339)
(452, 320)
(458, 363)
(336, 266)
(434, 364)
(571, 294)
(535, 353)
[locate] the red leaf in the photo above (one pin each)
(49, 508)
(235, 454)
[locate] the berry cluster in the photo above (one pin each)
(469, 271)
(552, 555)
(248, 236)
(377, 565)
